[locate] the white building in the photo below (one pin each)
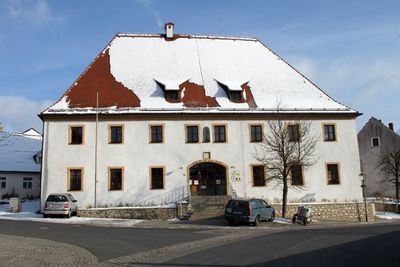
(186, 112)
(20, 164)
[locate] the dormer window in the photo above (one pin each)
(172, 95)
(171, 90)
(233, 90)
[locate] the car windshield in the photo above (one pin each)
(57, 198)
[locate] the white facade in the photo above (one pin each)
(136, 155)
(23, 184)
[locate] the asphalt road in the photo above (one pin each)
(360, 245)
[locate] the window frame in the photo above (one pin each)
(169, 93)
(162, 133)
(232, 94)
(334, 132)
(252, 175)
(26, 182)
(261, 133)
(110, 134)
(70, 134)
(327, 172)
(302, 176)
(151, 177)
(122, 178)
(372, 141)
(297, 126)
(187, 132)
(3, 180)
(69, 169)
(225, 133)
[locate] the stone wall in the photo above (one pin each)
(346, 211)
(130, 213)
(385, 207)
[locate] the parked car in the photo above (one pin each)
(60, 204)
(248, 211)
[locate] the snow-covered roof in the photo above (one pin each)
(17, 152)
(127, 72)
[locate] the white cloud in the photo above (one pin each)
(18, 113)
(37, 12)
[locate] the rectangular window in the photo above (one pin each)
(258, 175)
(27, 183)
(75, 179)
(116, 178)
(235, 96)
(219, 134)
(172, 95)
(329, 132)
(294, 133)
(76, 135)
(192, 134)
(3, 182)
(156, 134)
(116, 134)
(333, 173)
(157, 178)
(375, 142)
(256, 133)
(297, 175)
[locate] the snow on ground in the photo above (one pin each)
(282, 221)
(30, 213)
(388, 216)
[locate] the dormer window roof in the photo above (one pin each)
(171, 89)
(233, 89)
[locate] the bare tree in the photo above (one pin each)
(286, 145)
(1, 127)
(389, 165)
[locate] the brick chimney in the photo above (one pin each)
(169, 30)
(391, 126)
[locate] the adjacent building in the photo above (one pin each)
(159, 115)
(20, 158)
(374, 140)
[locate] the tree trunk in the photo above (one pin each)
(284, 197)
(397, 193)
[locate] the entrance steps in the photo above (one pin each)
(205, 207)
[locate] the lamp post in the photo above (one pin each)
(362, 178)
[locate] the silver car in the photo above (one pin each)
(60, 204)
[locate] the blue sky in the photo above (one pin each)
(350, 49)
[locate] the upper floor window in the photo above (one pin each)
(375, 142)
(206, 135)
(296, 174)
(116, 134)
(258, 175)
(27, 183)
(157, 177)
(192, 134)
(75, 135)
(235, 96)
(332, 170)
(156, 134)
(329, 132)
(75, 179)
(115, 178)
(172, 95)
(294, 133)
(3, 181)
(219, 133)
(256, 133)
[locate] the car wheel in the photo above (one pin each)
(45, 216)
(305, 221)
(272, 216)
(256, 220)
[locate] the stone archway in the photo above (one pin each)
(208, 178)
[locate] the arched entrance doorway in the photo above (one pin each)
(207, 178)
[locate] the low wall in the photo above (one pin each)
(130, 213)
(385, 207)
(345, 211)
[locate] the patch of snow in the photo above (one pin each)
(388, 216)
(62, 104)
(282, 221)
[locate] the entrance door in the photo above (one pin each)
(208, 179)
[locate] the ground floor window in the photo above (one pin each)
(332, 170)
(3, 181)
(258, 175)
(115, 177)
(75, 179)
(297, 175)
(157, 178)
(27, 183)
